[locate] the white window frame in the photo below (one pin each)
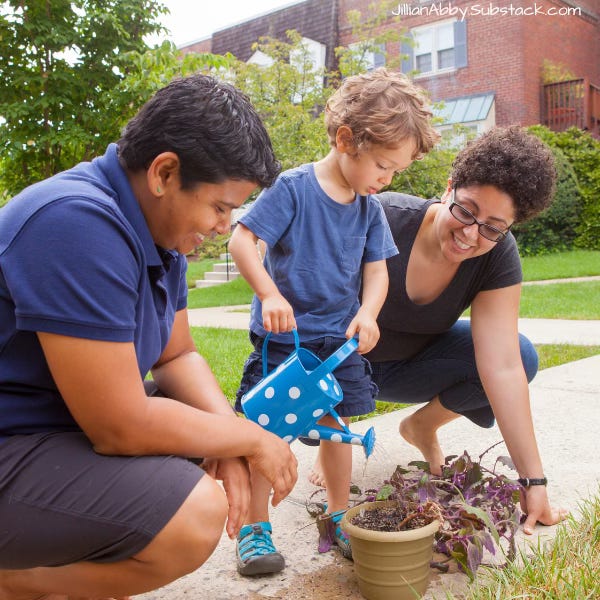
(435, 47)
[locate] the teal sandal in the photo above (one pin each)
(340, 538)
(256, 554)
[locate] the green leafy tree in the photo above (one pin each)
(72, 72)
(372, 32)
(289, 94)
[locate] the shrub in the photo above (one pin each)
(556, 228)
(583, 153)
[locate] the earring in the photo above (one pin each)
(158, 189)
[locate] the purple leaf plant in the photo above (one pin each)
(479, 506)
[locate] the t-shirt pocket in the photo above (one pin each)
(352, 252)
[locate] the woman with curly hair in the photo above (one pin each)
(455, 253)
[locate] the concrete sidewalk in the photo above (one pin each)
(539, 331)
(565, 403)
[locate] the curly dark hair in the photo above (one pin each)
(211, 126)
(514, 161)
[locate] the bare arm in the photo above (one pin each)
(375, 287)
(102, 388)
(494, 323)
(277, 313)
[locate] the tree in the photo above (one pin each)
(289, 95)
(60, 61)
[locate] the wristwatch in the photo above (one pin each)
(528, 481)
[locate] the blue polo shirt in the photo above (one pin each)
(77, 259)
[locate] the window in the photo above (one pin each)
(437, 48)
(261, 59)
(434, 48)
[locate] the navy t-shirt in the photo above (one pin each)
(77, 259)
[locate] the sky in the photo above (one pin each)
(192, 20)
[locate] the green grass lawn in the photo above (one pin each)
(576, 263)
(552, 301)
(579, 300)
(565, 569)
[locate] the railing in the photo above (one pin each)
(574, 103)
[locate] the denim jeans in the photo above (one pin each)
(446, 367)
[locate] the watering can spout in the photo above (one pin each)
(345, 436)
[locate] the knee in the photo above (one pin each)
(194, 532)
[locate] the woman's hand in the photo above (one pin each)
(235, 475)
(535, 504)
(274, 459)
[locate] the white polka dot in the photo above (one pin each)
(269, 392)
(318, 412)
(291, 418)
(294, 393)
(323, 385)
(341, 422)
(330, 376)
(356, 441)
(313, 434)
(263, 420)
(288, 438)
(336, 437)
(336, 389)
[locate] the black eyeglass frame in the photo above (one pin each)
(472, 220)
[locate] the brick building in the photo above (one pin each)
(483, 59)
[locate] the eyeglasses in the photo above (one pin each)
(466, 217)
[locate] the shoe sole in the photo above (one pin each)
(263, 565)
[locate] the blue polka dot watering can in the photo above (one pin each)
(301, 390)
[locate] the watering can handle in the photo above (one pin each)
(336, 359)
(264, 349)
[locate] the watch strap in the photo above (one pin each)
(529, 481)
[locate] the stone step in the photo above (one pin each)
(224, 267)
(204, 283)
(220, 276)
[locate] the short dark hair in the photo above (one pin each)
(513, 160)
(211, 126)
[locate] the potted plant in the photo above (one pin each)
(392, 547)
(468, 508)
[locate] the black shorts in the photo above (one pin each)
(62, 503)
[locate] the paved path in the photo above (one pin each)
(539, 331)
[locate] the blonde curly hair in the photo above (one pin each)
(381, 108)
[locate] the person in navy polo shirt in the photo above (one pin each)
(102, 491)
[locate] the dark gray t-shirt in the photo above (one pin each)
(406, 327)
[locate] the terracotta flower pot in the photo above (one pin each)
(390, 565)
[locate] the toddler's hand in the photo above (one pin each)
(278, 314)
(366, 327)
